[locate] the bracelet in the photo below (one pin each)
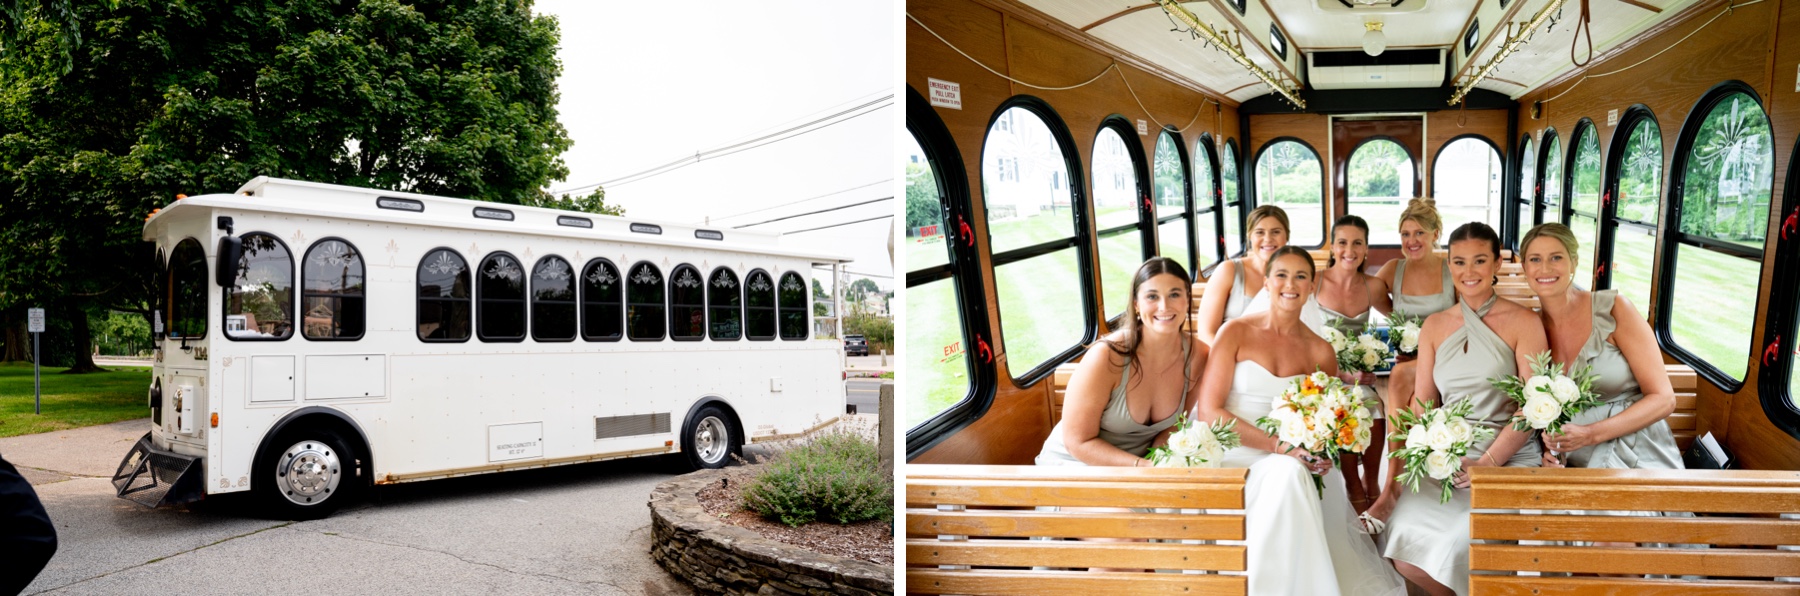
(1483, 459)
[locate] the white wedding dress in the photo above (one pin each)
(1296, 542)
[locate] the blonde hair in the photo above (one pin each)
(1423, 211)
(1555, 230)
(1259, 213)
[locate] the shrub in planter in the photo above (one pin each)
(834, 476)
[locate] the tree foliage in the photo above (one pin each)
(594, 202)
(453, 98)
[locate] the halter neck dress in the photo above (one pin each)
(1422, 306)
(1117, 427)
(1650, 447)
(1291, 533)
(1435, 536)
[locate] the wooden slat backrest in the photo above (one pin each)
(1685, 421)
(1560, 512)
(1059, 385)
(1017, 529)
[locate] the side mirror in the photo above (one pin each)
(231, 252)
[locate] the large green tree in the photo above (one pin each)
(452, 98)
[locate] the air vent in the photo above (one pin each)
(1393, 69)
(608, 427)
(1388, 58)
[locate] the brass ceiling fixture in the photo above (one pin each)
(1516, 36)
(1234, 50)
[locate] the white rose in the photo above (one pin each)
(1184, 443)
(1462, 431)
(1439, 436)
(1537, 384)
(1440, 464)
(1170, 461)
(1540, 410)
(1293, 431)
(1370, 359)
(1416, 437)
(1409, 338)
(1564, 389)
(1320, 378)
(1210, 456)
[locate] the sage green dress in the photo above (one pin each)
(1422, 306)
(1434, 536)
(1117, 427)
(1650, 447)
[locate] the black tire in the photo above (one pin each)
(701, 442)
(321, 474)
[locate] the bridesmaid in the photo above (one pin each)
(1629, 429)
(1423, 294)
(1111, 416)
(1236, 283)
(1290, 532)
(1459, 350)
(1345, 288)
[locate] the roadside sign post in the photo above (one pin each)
(36, 327)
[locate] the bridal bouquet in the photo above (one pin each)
(1319, 415)
(1436, 441)
(1358, 351)
(1549, 398)
(1403, 333)
(1193, 445)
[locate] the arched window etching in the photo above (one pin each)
(1234, 202)
(724, 304)
(552, 300)
(260, 303)
(1528, 189)
(500, 299)
(759, 306)
(602, 301)
(1549, 206)
(331, 291)
(1208, 244)
(443, 296)
(644, 306)
(1118, 221)
(1288, 175)
(1174, 218)
(794, 321)
(1638, 192)
(687, 304)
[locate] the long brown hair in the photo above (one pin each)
(1127, 344)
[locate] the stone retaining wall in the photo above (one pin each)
(719, 558)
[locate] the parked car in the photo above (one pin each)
(855, 345)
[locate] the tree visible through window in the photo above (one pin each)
(1379, 180)
(1288, 176)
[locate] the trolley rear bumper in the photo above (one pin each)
(152, 477)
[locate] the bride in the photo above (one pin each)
(1289, 528)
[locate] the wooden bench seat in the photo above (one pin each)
(968, 530)
(1737, 521)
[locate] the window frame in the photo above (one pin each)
(1539, 206)
(574, 301)
(524, 301)
(1583, 126)
(737, 291)
(417, 300)
(169, 288)
(1214, 203)
(293, 296)
(1504, 172)
(702, 305)
(774, 306)
(963, 270)
(1187, 215)
(662, 283)
(582, 300)
(1409, 157)
(1146, 209)
(1525, 195)
(1278, 42)
(1083, 240)
(782, 309)
(1471, 38)
(1774, 379)
(300, 270)
(1613, 167)
(1668, 244)
(1325, 218)
(1234, 156)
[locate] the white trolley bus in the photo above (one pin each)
(314, 340)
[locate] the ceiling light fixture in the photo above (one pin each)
(1517, 35)
(1234, 50)
(1374, 41)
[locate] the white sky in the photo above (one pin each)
(647, 83)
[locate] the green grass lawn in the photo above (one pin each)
(70, 401)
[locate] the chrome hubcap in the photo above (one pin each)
(308, 472)
(712, 439)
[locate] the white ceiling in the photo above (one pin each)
(1142, 29)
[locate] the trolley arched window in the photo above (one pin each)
(260, 303)
(1466, 179)
(188, 285)
(759, 306)
(1379, 180)
(1288, 175)
(552, 300)
(443, 296)
(331, 291)
(602, 301)
(1208, 248)
(1234, 202)
(687, 304)
(1550, 176)
(500, 299)
(1628, 241)
(793, 306)
(1528, 189)
(644, 306)
(1118, 220)
(1712, 263)
(1174, 216)
(1584, 200)
(1039, 252)
(1779, 386)
(725, 305)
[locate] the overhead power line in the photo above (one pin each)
(889, 216)
(781, 135)
(835, 192)
(826, 210)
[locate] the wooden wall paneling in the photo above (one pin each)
(1314, 129)
(1443, 125)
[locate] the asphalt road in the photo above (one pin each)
(865, 394)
